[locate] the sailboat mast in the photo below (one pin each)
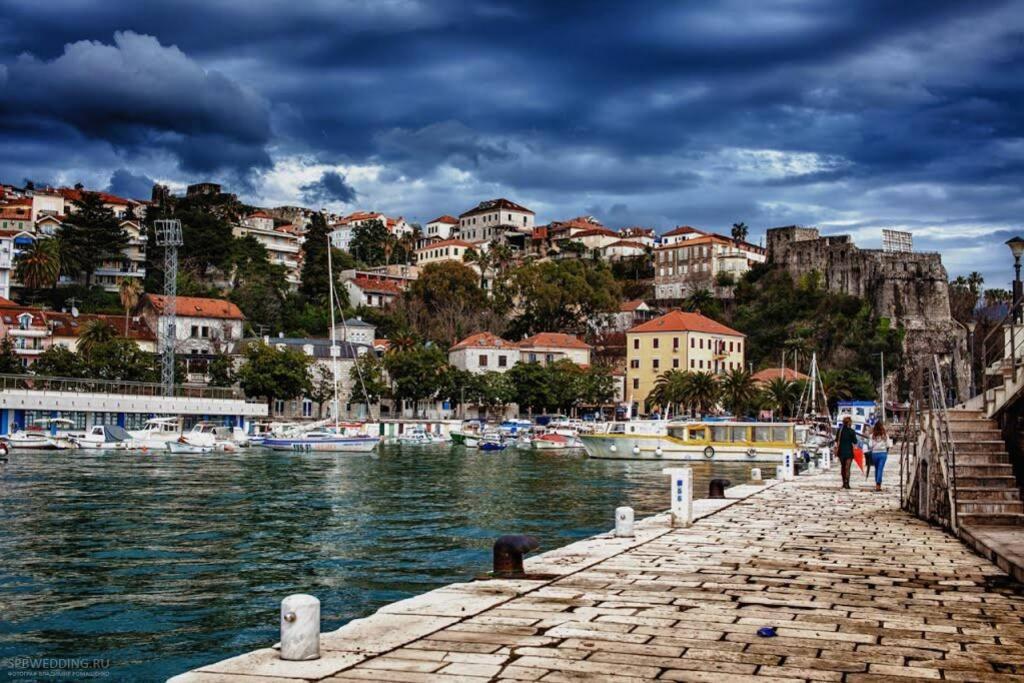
(334, 336)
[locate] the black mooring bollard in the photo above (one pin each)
(509, 551)
(717, 487)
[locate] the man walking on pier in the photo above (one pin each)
(846, 441)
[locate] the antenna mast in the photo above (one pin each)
(168, 236)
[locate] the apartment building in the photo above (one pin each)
(493, 218)
(483, 352)
(678, 341)
(691, 261)
(445, 250)
(283, 244)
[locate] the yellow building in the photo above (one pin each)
(678, 341)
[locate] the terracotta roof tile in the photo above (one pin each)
(483, 340)
(451, 220)
(369, 284)
(684, 230)
(554, 340)
(198, 307)
(631, 306)
(679, 321)
(494, 204)
(768, 374)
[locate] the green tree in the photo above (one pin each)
(38, 265)
(10, 364)
(58, 361)
(371, 243)
(671, 391)
(95, 333)
(369, 384)
(273, 373)
(208, 241)
(566, 295)
(90, 236)
(321, 387)
(740, 231)
(416, 372)
(533, 387)
(120, 359)
(221, 371)
(739, 391)
(493, 390)
(703, 392)
(781, 395)
(315, 284)
(596, 387)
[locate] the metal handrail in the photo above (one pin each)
(1015, 347)
(944, 435)
(107, 386)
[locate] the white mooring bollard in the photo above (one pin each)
(300, 628)
(682, 495)
(755, 475)
(624, 522)
(787, 463)
(780, 473)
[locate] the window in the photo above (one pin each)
(635, 364)
(675, 362)
(675, 343)
(636, 383)
(636, 343)
(693, 342)
(278, 407)
(702, 342)
(483, 360)
(502, 361)
(730, 347)
(533, 357)
(307, 408)
(655, 363)
(654, 342)
(693, 364)
(700, 364)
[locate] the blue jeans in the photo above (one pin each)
(879, 458)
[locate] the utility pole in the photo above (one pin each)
(168, 236)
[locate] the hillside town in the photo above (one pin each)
(487, 293)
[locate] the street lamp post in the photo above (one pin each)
(971, 326)
(1016, 245)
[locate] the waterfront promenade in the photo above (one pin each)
(857, 591)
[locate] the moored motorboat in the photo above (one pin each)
(106, 437)
(730, 441)
(322, 440)
(155, 433)
(181, 446)
(550, 442)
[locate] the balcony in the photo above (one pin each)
(30, 333)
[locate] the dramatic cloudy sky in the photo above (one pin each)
(847, 115)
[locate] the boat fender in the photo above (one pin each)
(751, 452)
(709, 452)
(658, 451)
(613, 448)
(636, 450)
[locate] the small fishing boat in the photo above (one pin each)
(467, 435)
(492, 442)
(106, 437)
(37, 438)
(419, 436)
(181, 446)
(550, 442)
(155, 433)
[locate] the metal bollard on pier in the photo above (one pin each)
(788, 466)
(300, 628)
(717, 487)
(508, 554)
(755, 475)
(681, 490)
(780, 473)
(624, 522)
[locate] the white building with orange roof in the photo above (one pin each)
(483, 352)
(679, 341)
(549, 347)
(203, 327)
(441, 228)
(493, 218)
(622, 249)
(283, 244)
(342, 230)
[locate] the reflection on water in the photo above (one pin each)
(162, 563)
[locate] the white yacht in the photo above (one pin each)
(38, 437)
(155, 433)
(105, 437)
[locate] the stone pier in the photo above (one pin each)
(853, 589)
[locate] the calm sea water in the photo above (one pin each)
(162, 563)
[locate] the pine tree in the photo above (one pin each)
(91, 236)
(315, 280)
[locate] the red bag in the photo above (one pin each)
(858, 457)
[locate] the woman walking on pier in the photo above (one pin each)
(846, 440)
(879, 451)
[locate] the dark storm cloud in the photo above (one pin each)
(124, 183)
(670, 113)
(331, 187)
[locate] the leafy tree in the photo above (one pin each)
(740, 231)
(321, 387)
(274, 373)
(561, 295)
(315, 284)
(221, 371)
(596, 386)
(58, 361)
(259, 286)
(38, 265)
(207, 239)
(129, 290)
(10, 364)
(371, 243)
(439, 283)
(95, 333)
(416, 372)
(90, 236)
(533, 387)
(493, 390)
(369, 385)
(739, 391)
(120, 359)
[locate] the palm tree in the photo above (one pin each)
(780, 394)
(94, 333)
(700, 300)
(740, 231)
(401, 342)
(483, 259)
(703, 392)
(836, 385)
(670, 389)
(38, 265)
(974, 282)
(739, 391)
(129, 289)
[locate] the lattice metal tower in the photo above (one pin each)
(168, 236)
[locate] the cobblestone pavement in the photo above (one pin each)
(856, 589)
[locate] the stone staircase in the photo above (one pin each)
(987, 492)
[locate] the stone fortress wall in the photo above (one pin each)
(911, 289)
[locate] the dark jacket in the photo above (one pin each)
(846, 440)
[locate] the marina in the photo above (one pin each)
(163, 562)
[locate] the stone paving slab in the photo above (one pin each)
(856, 589)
